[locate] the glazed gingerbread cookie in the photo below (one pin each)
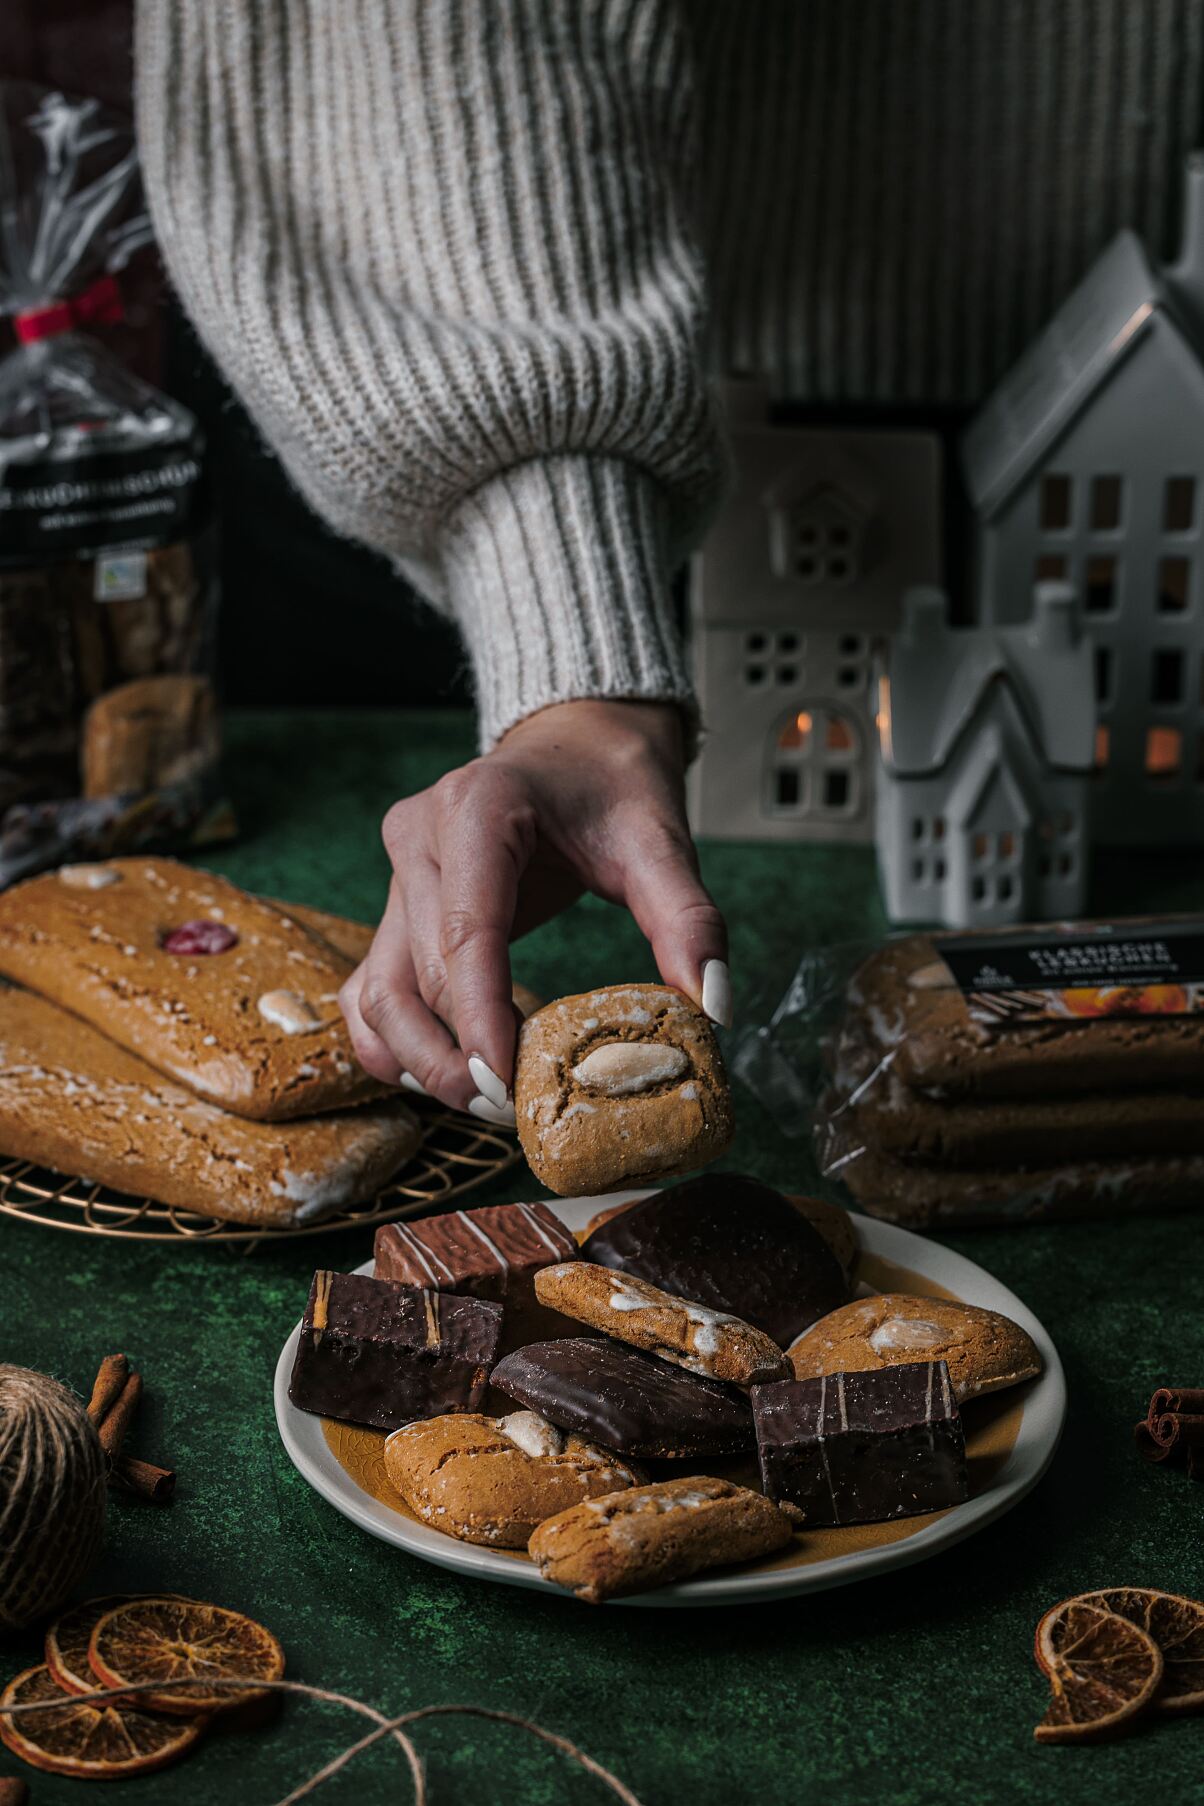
(692, 1336)
(651, 1536)
(984, 1351)
(493, 1479)
(618, 1086)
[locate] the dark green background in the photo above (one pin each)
(917, 1687)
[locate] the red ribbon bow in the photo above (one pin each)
(97, 305)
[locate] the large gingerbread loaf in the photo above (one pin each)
(223, 992)
(73, 1101)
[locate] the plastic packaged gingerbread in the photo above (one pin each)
(109, 734)
(1055, 1070)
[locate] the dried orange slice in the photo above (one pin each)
(66, 1646)
(1176, 1625)
(1103, 1671)
(90, 1743)
(167, 1639)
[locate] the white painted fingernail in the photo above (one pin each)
(488, 1112)
(717, 992)
(411, 1084)
(487, 1081)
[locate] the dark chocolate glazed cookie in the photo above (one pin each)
(730, 1243)
(625, 1399)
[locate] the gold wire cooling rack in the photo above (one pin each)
(457, 1154)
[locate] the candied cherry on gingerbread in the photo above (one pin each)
(200, 937)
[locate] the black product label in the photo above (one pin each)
(1081, 970)
(74, 507)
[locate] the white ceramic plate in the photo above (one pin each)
(1043, 1412)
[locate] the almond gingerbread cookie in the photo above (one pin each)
(693, 1336)
(651, 1536)
(493, 1479)
(984, 1351)
(618, 1086)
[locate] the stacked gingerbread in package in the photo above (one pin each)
(1047, 1071)
(108, 719)
(175, 1038)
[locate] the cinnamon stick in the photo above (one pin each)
(158, 1484)
(1170, 1399)
(116, 1421)
(1147, 1447)
(110, 1378)
(1177, 1432)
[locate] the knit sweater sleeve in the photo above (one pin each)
(442, 250)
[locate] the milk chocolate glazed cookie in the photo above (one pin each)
(493, 1479)
(693, 1336)
(983, 1350)
(654, 1535)
(618, 1086)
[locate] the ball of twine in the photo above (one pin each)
(52, 1495)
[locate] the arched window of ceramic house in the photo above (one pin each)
(811, 763)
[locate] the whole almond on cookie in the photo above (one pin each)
(493, 1479)
(693, 1336)
(618, 1086)
(984, 1350)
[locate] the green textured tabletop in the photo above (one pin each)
(917, 1687)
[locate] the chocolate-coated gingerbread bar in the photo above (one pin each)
(493, 1252)
(855, 1448)
(730, 1243)
(898, 1001)
(378, 1353)
(625, 1399)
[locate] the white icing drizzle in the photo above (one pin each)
(905, 1332)
(821, 1422)
(541, 1232)
(706, 1321)
(418, 1251)
(499, 1257)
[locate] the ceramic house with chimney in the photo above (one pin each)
(987, 740)
(1087, 465)
(800, 576)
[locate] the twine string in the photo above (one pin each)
(385, 1727)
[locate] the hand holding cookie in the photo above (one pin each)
(582, 796)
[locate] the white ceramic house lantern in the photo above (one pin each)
(986, 739)
(1087, 464)
(799, 578)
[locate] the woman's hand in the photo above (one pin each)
(581, 796)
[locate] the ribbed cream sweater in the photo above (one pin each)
(468, 262)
